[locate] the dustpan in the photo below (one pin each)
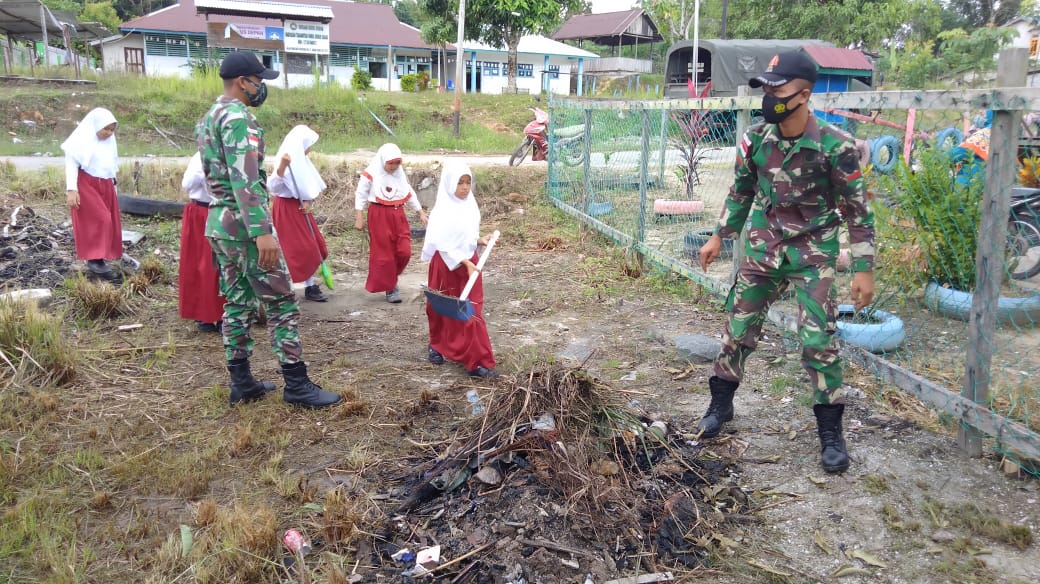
(460, 308)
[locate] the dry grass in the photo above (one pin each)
(33, 348)
(95, 300)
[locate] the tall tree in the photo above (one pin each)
(976, 13)
(502, 23)
(439, 25)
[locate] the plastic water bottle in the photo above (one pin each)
(476, 408)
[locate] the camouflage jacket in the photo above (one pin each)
(797, 194)
(232, 147)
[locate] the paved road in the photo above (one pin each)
(41, 162)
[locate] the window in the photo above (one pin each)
(524, 70)
(1034, 45)
(554, 71)
(489, 69)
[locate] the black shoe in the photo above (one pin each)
(434, 357)
(300, 390)
(243, 387)
(482, 371)
(100, 271)
(393, 296)
(720, 410)
(313, 293)
(208, 327)
(833, 455)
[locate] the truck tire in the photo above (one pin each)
(149, 207)
(957, 304)
(884, 336)
(951, 136)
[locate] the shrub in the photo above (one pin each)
(946, 214)
(94, 300)
(423, 79)
(361, 80)
(409, 82)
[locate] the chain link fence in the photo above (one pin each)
(957, 270)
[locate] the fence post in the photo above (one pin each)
(743, 121)
(587, 156)
(644, 176)
(664, 144)
(989, 259)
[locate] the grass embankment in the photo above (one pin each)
(149, 107)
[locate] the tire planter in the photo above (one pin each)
(957, 304)
(951, 134)
(881, 337)
(595, 209)
(694, 240)
(880, 145)
(149, 207)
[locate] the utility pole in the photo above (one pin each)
(456, 109)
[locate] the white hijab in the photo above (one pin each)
(83, 146)
(301, 176)
(454, 225)
(390, 186)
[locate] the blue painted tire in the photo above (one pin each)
(952, 134)
(882, 337)
(882, 144)
(957, 304)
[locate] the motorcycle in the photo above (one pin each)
(1024, 233)
(570, 141)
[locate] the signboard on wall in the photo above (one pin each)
(306, 37)
(234, 36)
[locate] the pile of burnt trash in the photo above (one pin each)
(35, 252)
(556, 479)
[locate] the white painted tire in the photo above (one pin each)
(957, 304)
(882, 337)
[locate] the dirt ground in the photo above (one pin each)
(142, 446)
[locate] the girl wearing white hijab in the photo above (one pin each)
(91, 163)
(384, 189)
(451, 248)
(301, 241)
(198, 283)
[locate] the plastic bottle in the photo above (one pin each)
(476, 408)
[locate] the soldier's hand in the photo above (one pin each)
(710, 250)
(267, 245)
(862, 289)
(72, 199)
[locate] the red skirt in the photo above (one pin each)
(198, 282)
(96, 225)
(389, 248)
(303, 251)
(466, 343)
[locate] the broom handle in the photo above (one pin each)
(480, 266)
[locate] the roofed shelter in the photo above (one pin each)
(31, 20)
(361, 36)
(613, 29)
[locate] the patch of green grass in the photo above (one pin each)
(778, 385)
(897, 520)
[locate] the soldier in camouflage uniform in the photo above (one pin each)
(798, 178)
(252, 271)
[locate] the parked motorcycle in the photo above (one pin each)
(570, 141)
(1024, 233)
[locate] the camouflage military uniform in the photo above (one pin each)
(232, 148)
(805, 187)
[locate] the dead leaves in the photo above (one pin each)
(852, 554)
(680, 374)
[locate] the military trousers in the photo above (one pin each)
(755, 289)
(246, 286)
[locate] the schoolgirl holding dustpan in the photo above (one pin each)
(295, 184)
(452, 237)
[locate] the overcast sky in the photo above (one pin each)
(599, 6)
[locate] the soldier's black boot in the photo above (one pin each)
(833, 455)
(300, 390)
(244, 388)
(720, 410)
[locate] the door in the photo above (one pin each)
(134, 59)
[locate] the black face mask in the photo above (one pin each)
(775, 110)
(257, 99)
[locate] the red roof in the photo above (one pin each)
(353, 23)
(838, 58)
